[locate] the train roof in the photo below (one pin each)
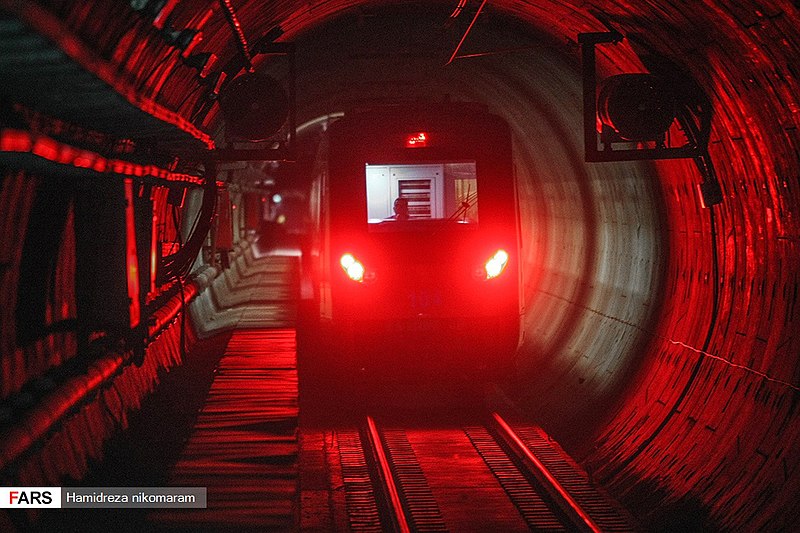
(420, 109)
(407, 115)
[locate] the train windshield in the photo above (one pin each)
(409, 196)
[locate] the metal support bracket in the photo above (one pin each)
(281, 150)
(602, 149)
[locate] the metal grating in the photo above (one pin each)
(607, 513)
(362, 508)
(533, 508)
(419, 501)
(418, 193)
(243, 446)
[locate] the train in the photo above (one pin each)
(415, 237)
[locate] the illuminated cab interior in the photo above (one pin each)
(432, 191)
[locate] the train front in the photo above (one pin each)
(423, 237)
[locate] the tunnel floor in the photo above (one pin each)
(275, 447)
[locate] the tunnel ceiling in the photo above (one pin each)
(661, 337)
(33, 58)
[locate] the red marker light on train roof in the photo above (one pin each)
(418, 139)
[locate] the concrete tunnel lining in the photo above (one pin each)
(621, 317)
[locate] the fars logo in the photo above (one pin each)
(15, 497)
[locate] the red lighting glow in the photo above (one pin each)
(417, 140)
(132, 259)
(153, 253)
(47, 148)
(352, 267)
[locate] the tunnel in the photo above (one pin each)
(660, 332)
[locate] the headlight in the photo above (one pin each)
(495, 265)
(352, 267)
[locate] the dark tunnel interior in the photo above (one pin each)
(660, 330)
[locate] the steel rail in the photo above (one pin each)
(540, 471)
(385, 472)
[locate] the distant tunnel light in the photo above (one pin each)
(496, 264)
(352, 267)
(417, 139)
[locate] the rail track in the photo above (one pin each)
(496, 476)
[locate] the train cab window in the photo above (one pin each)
(404, 196)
